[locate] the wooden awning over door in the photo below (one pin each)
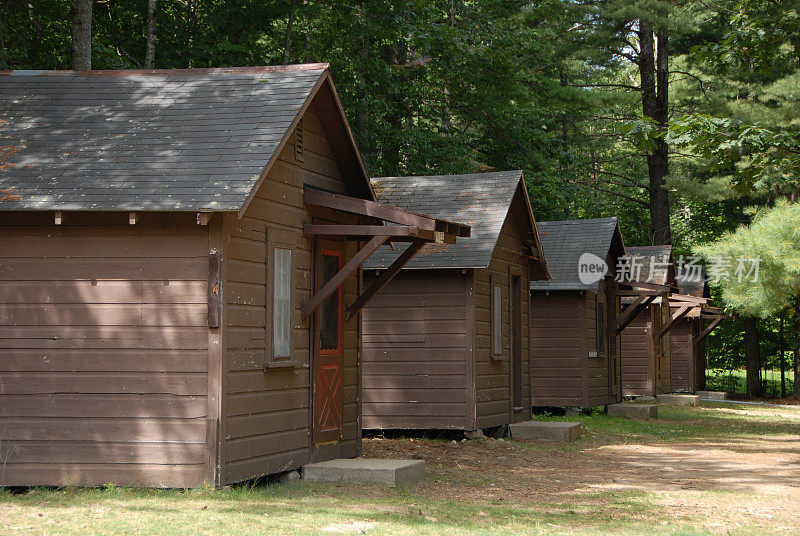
(643, 295)
(391, 224)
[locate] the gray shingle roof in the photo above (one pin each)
(688, 282)
(193, 139)
(563, 243)
(658, 254)
(481, 200)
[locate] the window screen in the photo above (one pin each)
(497, 319)
(281, 302)
(601, 327)
(330, 321)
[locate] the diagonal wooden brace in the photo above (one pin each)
(674, 319)
(341, 276)
(383, 279)
(639, 303)
(714, 323)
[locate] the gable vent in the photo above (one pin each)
(298, 141)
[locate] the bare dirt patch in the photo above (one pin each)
(720, 483)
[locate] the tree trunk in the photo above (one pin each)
(796, 388)
(287, 42)
(654, 74)
(752, 356)
(782, 350)
(150, 48)
(82, 35)
(33, 51)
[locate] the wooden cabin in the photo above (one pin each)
(575, 352)
(645, 344)
(446, 343)
(179, 251)
(687, 337)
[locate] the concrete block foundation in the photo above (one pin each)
(391, 473)
(546, 430)
(712, 395)
(679, 400)
(639, 412)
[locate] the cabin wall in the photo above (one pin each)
(645, 364)
(493, 373)
(637, 356)
(682, 358)
(103, 376)
(604, 370)
(415, 352)
(266, 422)
(558, 349)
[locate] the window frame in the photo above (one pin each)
(600, 320)
(339, 308)
(270, 357)
(496, 319)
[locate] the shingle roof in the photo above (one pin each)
(660, 254)
(195, 139)
(563, 243)
(481, 200)
(688, 282)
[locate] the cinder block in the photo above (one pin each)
(639, 412)
(679, 400)
(360, 471)
(713, 395)
(546, 430)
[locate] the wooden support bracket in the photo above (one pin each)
(674, 319)
(341, 276)
(639, 303)
(384, 279)
(714, 323)
(59, 218)
(132, 218)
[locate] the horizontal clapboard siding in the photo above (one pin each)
(266, 413)
(105, 352)
(493, 373)
(558, 355)
(414, 345)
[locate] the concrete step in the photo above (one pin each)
(679, 400)
(546, 430)
(712, 395)
(392, 473)
(640, 412)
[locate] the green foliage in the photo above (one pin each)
(774, 238)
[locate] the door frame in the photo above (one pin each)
(320, 247)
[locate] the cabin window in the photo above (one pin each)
(281, 301)
(601, 327)
(497, 319)
(330, 318)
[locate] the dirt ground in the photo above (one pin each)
(720, 483)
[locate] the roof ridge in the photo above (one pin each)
(162, 72)
(476, 173)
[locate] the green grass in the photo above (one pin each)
(734, 381)
(445, 504)
(676, 423)
(301, 509)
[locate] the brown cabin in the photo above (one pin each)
(645, 344)
(179, 253)
(687, 337)
(446, 343)
(575, 353)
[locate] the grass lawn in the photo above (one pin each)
(735, 381)
(719, 469)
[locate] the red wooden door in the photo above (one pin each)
(328, 348)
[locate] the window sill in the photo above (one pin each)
(281, 365)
